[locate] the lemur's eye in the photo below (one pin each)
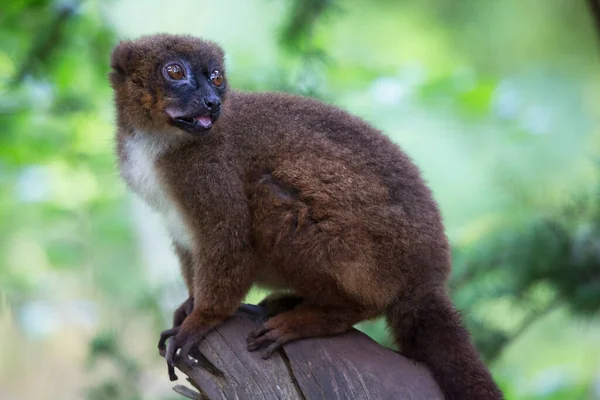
(216, 78)
(175, 71)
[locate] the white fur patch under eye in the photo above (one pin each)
(142, 150)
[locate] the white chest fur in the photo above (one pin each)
(139, 170)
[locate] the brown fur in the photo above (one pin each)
(297, 195)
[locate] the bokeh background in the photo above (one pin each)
(498, 101)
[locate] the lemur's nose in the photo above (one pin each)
(212, 102)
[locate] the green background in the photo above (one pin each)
(498, 101)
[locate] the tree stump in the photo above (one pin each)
(348, 366)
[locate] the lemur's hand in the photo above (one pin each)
(186, 337)
(179, 316)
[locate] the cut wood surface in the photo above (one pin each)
(348, 366)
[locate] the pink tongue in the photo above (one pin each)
(204, 120)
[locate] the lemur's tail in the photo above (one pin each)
(428, 329)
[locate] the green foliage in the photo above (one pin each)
(124, 385)
(498, 108)
(548, 259)
(303, 16)
(56, 147)
(61, 206)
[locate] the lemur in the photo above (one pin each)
(292, 194)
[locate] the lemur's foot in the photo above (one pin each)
(270, 336)
(304, 321)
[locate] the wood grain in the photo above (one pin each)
(348, 366)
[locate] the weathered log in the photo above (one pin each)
(348, 366)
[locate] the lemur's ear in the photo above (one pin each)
(122, 61)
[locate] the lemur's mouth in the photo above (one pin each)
(194, 124)
(204, 121)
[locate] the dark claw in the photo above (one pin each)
(171, 371)
(268, 352)
(164, 335)
(260, 337)
(193, 358)
(272, 338)
(253, 346)
(185, 353)
(172, 348)
(184, 345)
(167, 351)
(258, 332)
(170, 355)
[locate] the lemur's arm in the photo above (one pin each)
(222, 259)
(185, 263)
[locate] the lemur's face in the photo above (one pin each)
(196, 94)
(166, 82)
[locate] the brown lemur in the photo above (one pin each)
(291, 194)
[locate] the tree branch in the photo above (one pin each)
(347, 366)
(47, 41)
